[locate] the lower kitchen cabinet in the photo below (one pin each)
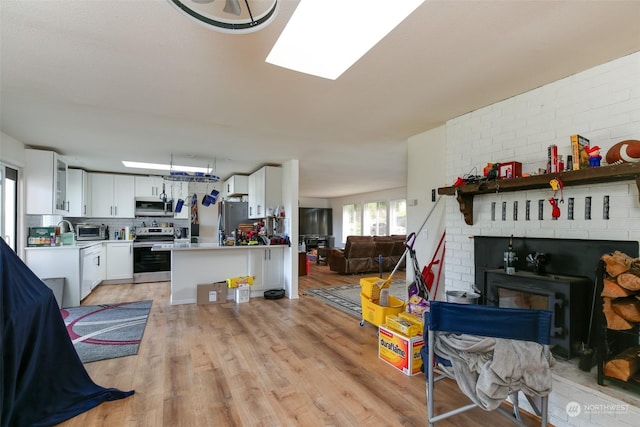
(66, 262)
(267, 267)
(91, 269)
(119, 261)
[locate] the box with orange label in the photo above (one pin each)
(399, 351)
(234, 282)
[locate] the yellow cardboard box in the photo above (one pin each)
(234, 282)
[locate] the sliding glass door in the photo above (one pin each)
(9, 204)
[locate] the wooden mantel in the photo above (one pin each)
(611, 173)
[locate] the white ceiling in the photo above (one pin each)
(105, 81)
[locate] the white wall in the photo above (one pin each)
(601, 104)
(308, 202)
(11, 150)
(425, 173)
(207, 215)
(290, 190)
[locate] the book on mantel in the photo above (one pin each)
(580, 155)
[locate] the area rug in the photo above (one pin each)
(347, 297)
(106, 331)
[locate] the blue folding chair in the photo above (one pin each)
(484, 321)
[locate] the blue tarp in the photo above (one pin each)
(43, 380)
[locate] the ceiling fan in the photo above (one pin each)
(256, 15)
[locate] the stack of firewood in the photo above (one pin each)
(621, 307)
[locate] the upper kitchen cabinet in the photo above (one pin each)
(78, 193)
(236, 185)
(112, 196)
(46, 183)
(148, 186)
(265, 191)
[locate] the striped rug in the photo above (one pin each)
(106, 331)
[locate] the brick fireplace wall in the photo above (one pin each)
(601, 104)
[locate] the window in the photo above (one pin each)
(380, 218)
(375, 219)
(398, 217)
(351, 221)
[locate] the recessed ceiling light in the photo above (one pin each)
(164, 167)
(324, 38)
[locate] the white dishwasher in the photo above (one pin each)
(90, 268)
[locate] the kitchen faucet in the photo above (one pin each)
(68, 225)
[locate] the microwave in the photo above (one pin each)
(151, 206)
(91, 232)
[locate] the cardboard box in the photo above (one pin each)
(400, 351)
(407, 327)
(234, 282)
(242, 294)
(41, 236)
(212, 293)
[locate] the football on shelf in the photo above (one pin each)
(624, 151)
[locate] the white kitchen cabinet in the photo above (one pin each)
(112, 196)
(148, 186)
(267, 267)
(78, 193)
(236, 185)
(91, 269)
(265, 191)
(119, 260)
(66, 262)
(46, 183)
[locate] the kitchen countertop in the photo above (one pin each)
(206, 246)
(78, 245)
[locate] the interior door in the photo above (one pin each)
(9, 204)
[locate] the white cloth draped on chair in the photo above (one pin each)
(488, 370)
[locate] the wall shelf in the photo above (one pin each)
(610, 173)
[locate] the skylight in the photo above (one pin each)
(325, 37)
(164, 167)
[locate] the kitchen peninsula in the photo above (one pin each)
(202, 263)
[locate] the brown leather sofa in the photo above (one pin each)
(362, 254)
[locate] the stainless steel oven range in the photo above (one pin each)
(150, 266)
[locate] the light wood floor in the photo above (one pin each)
(262, 363)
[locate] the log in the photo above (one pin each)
(617, 262)
(611, 289)
(614, 321)
(627, 308)
(629, 281)
(624, 365)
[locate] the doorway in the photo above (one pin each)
(9, 205)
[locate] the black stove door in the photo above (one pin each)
(147, 261)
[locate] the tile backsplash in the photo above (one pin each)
(113, 223)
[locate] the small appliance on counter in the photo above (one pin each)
(91, 232)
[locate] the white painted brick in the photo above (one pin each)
(602, 104)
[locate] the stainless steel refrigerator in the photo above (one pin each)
(231, 215)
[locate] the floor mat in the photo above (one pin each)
(347, 297)
(106, 331)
